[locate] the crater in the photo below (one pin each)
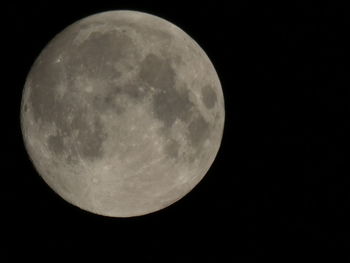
(208, 96)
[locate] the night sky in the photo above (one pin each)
(279, 188)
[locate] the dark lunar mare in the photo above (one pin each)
(209, 96)
(94, 59)
(170, 103)
(49, 108)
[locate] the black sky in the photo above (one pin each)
(279, 187)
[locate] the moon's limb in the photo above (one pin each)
(122, 113)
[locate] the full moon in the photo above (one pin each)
(122, 113)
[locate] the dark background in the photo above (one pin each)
(279, 187)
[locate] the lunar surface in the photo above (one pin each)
(122, 113)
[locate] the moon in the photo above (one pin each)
(122, 113)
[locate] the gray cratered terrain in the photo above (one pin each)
(122, 113)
